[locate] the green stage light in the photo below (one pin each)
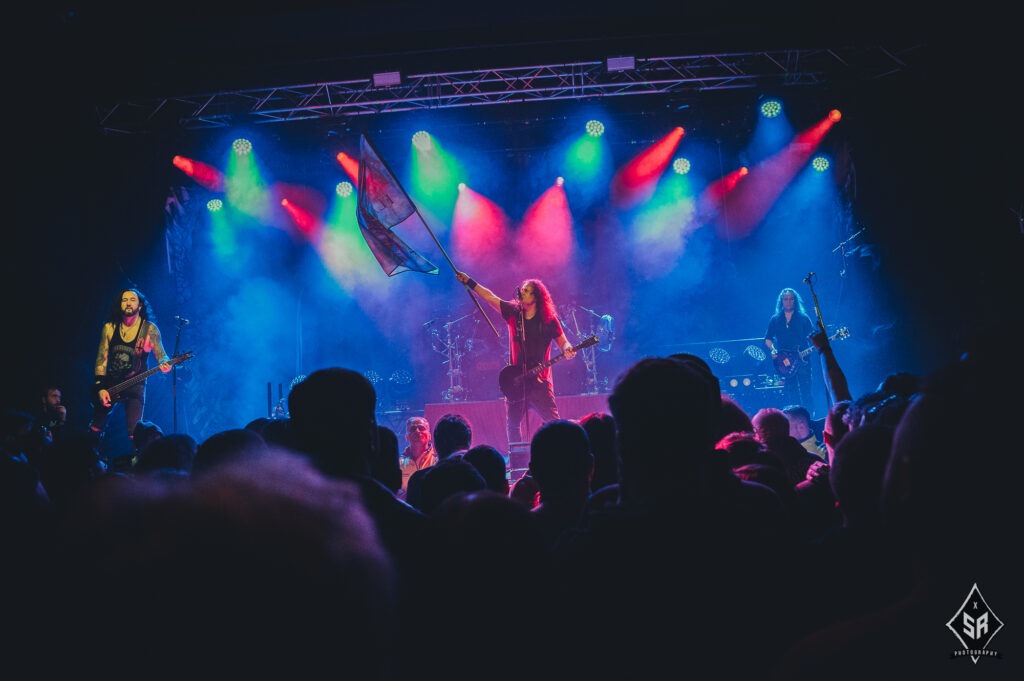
(771, 108)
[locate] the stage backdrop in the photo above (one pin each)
(488, 420)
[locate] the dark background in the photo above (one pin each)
(937, 148)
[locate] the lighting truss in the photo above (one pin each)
(684, 75)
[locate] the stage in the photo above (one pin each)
(488, 417)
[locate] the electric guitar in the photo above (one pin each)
(786, 363)
(510, 380)
(118, 388)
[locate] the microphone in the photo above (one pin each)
(181, 319)
(807, 279)
(519, 294)
(429, 323)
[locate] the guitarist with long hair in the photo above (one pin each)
(789, 329)
(129, 336)
(533, 324)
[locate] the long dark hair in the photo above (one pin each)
(145, 311)
(799, 301)
(545, 304)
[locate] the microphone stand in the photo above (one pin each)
(174, 377)
(821, 323)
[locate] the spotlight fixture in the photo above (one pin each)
(681, 166)
(621, 64)
(770, 108)
(820, 163)
(214, 205)
(559, 181)
(595, 128)
(387, 79)
(755, 353)
(719, 355)
(421, 140)
(344, 189)
(242, 146)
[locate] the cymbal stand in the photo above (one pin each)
(589, 357)
(455, 391)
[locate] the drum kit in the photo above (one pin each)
(579, 322)
(456, 339)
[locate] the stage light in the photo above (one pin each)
(214, 205)
(595, 128)
(621, 64)
(820, 163)
(719, 355)
(755, 353)
(343, 189)
(681, 165)
(242, 146)
(559, 181)
(835, 115)
(387, 79)
(771, 108)
(421, 140)
(462, 185)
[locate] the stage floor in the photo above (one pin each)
(488, 417)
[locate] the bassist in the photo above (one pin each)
(128, 338)
(533, 324)
(788, 331)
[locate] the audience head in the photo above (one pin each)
(385, 466)
(799, 421)
(735, 419)
(235, 444)
(144, 433)
(902, 383)
(263, 565)
(560, 458)
(332, 417)
(948, 492)
(856, 473)
(170, 455)
(600, 427)
(742, 448)
(491, 465)
(451, 475)
(770, 423)
(452, 432)
(417, 430)
(666, 414)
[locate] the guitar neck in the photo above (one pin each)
(544, 365)
(129, 382)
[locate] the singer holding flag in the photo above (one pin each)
(789, 330)
(533, 324)
(127, 339)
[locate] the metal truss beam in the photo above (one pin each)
(684, 75)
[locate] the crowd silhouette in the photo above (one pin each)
(674, 535)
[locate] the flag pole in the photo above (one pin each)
(416, 208)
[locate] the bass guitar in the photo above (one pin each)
(510, 380)
(786, 363)
(118, 388)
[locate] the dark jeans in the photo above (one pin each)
(539, 396)
(133, 403)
